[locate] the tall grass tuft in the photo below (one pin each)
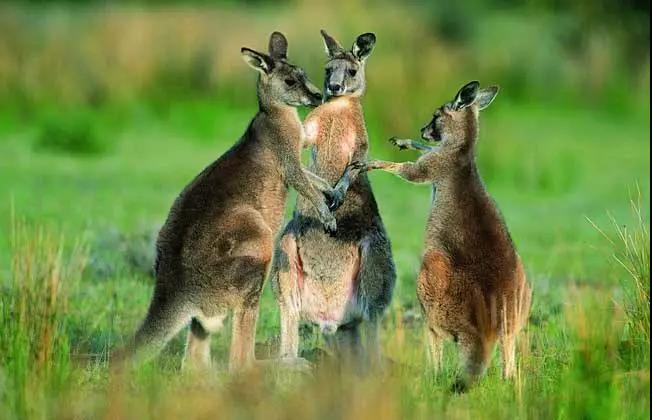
(631, 250)
(594, 325)
(34, 346)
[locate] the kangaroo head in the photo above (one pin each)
(345, 70)
(456, 122)
(281, 82)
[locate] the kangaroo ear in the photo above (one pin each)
(486, 96)
(333, 47)
(258, 61)
(363, 46)
(466, 96)
(278, 46)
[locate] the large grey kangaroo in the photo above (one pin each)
(472, 286)
(215, 247)
(344, 280)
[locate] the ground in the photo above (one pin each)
(549, 179)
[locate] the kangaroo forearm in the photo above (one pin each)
(348, 177)
(318, 182)
(301, 183)
(410, 171)
(296, 178)
(413, 145)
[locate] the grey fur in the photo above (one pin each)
(344, 281)
(345, 70)
(215, 247)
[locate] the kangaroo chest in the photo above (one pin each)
(338, 135)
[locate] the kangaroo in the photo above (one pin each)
(472, 286)
(344, 280)
(215, 247)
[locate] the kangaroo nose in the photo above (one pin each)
(318, 96)
(335, 88)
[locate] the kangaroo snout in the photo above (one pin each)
(335, 89)
(312, 95)
(316, 99)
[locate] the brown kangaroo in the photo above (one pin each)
(343, 280)
(472, 285)
(215, 247)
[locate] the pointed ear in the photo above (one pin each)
(333, 47)
(363, 46)
(486, 96)
(466, 96)
(258, 61)
(278, 46)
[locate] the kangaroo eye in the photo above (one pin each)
(290, 82)
(352, 72)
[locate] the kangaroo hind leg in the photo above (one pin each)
(475, 353)
(376, 279)
(198, 346)
(435, 349)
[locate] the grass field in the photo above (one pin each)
(577, 359)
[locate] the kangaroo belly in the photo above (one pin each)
(328, 284)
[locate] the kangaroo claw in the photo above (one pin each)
(330, 226)
(356, 165)
(398, 143)
(334, 200)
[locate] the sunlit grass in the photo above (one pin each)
(34, 309)
(630, 245)
(57, 329)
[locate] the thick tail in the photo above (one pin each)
(165, 318)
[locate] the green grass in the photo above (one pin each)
(549, 169)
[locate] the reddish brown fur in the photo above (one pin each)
(472, 285)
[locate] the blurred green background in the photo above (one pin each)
(107, 109)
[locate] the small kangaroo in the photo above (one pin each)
(472, 285)
(215, 247)
(343, 280)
